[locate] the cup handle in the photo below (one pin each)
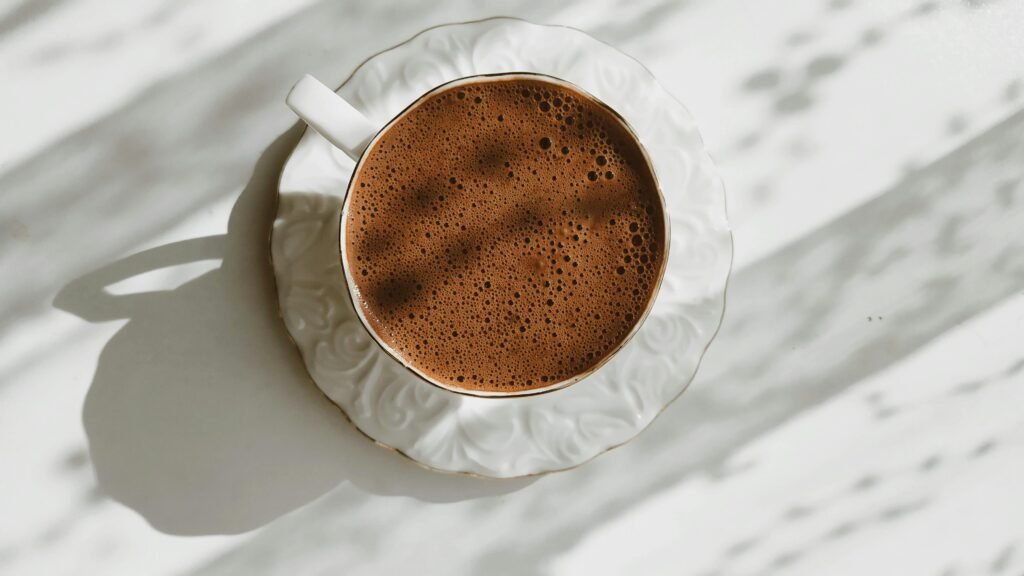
(331, 116)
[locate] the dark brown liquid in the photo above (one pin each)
(504, 235)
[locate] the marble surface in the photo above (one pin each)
(859, 412)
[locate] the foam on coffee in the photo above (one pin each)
(504, 234)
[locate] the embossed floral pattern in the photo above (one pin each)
(493, 437)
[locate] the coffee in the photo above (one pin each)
(504, 234)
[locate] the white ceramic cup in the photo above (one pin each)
(349, 130)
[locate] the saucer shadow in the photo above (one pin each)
(201, 416)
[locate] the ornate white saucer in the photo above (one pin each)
(506, 437)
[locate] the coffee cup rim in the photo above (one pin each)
(353, 290)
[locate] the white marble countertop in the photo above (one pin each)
(859, 413)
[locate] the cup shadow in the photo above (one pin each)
(201, 416)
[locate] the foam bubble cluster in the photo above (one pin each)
(504, 235)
